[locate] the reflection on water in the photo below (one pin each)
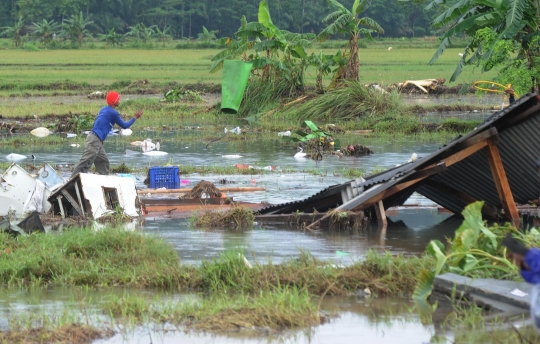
(375, 320)
(403, 235)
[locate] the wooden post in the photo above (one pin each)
(501, 183)
(381, 214)
(59, 198)
(382, 235)
(79, 198)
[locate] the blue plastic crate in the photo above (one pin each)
(166, 177)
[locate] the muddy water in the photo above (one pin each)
(379, 321)
(375, 320)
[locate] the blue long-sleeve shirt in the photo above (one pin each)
(532, 259)
(106, 119)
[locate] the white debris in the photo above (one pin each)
(126, 132)
(413, 157)
(15, 157)
(40, 132)
(284, 133)
(75, 145)
(236, 130)
(70, 135)
(460, 54)
(155, 153)
(34, 201)
(390, 48)
(232, 156)
(96, 95)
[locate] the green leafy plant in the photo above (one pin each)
(181, 94)
(82, 122)
(475, 252)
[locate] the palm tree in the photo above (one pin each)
(206, 36)
(14, 31)
(349, 22)
(163, 35)
(76, 27)
(45, 30)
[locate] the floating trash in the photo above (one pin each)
(70, 135)
(284, 133)
(155, 153)
(126, 132)
(184, 182)
(231, 156)
(75, 145)
(341, 254)
(15, 157)
(130, 152)
(40, 132)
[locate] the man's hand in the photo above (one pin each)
(138, 114)
(510, 91)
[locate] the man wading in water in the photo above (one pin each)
(94, 153)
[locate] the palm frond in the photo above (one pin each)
(371, 24)
(332, 16)
(452, 13)
(442, 47)
(338, 26)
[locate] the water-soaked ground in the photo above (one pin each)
(375, 320)
(378, 321)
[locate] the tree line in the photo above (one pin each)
(190, 18)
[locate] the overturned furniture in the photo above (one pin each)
(95, 196)
(495, 163)
(22, 192)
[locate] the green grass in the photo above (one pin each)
(30, 70)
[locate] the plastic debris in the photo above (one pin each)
(155, 153)
(341, 254)
(413, 157)
(86, 132)
(284, 133)
(75, 145)
(126, 132)
(40, 132)
(125, 175)
(34, 201)
(231, 156)
(70, 135)
(15, 157)
(236, 130)
(158, 146)
(184, 182)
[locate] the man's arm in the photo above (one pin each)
(124, 125)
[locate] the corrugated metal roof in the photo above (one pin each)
(519, 148)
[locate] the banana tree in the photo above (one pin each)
(45, 30)
(76, 27)
(349, 22)
(14, 31)
(514, 26)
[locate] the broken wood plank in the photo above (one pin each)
(59, 198)
(186, 190)
(79, 197)
(501, 183)
(72, 201)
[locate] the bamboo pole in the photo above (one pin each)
(186, 190)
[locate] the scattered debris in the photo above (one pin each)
(356, 150)
(70, 135)
(232, 156)
(75, 145)
(126, 132)
(347, 220)
(237, 218)
(155, 153)
(236, 130)
(96, 95)
(203, 189)
(284, 133)
(422, 84)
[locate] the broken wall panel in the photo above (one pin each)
(95, 196)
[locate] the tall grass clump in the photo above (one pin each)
(346, 103)
(263, 95)
(83, 257)
(277, 310)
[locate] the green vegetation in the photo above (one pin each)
(476, 251)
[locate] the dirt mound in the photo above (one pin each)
(203, 187)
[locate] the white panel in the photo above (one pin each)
(92, 188)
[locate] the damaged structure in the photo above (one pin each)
(95, 196)
(495, 163)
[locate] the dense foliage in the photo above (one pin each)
(186, 18)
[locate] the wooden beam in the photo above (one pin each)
(501, 183)
(79, 198)
(59, 198)
(487, 210)
(72, 201)
(381, 214)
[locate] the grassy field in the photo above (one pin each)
(21, 69)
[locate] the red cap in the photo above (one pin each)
(113, 97)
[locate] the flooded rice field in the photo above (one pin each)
(384, 320)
